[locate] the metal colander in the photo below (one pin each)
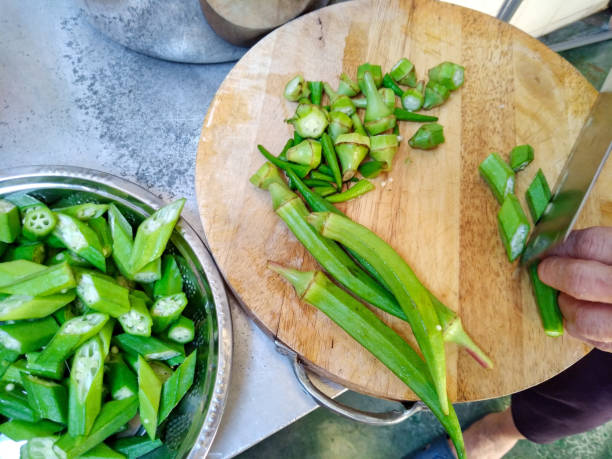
(191, 427)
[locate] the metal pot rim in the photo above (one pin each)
(22, 176)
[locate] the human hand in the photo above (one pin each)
(581, 269)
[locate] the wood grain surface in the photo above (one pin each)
(433, 208)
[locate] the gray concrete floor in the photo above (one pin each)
(324, 435)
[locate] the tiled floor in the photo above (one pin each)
(324, 435)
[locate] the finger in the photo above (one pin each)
(588, 244)
(606, 347)
(587, 320)
(583, 279)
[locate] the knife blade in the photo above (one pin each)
(576, 180)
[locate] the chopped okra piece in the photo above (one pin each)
(85, 398)
(14, 370)
(47, 398)
(181, 331)
(21, 307)
(85, 212)
(7, 358)
(351, 150)
(447, 74)
(307, 152)
(413, 98)
(69, 257)
(138, 320)
(38, 222)
(520, 157)
(161, 370)
(10, 226)
(18, 430)
(389, 82)
(22, 200)
(428, 136)
(371, 169)
(39, 448)
(309, 121)
(383, 148)
(175, 388)
(435, 94)
(54, 279)
(121, 380)
(31, 251)
(388, 97)
(11, 271)
(111, 419)
(316, 91)
(171, 281)
(14, 403)
(147, 346)
(374, 70)
(378, 116)
(339, 123)
(498, 175)
(102, 451)
(151, 272)
(106, 335)
(27, 336)
(361, 187)
(103, 295)
(546, 299)
(538, 196)
(404, 72)
(153, 235)
(135, 447)
(121, 234)
(149, 392)
(166, 310)
(296, 88)
(101, 228)
(513, 226)
(347, 87)
(81, 239)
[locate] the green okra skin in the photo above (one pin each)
(428, 136)
(413, 99)
(325, 169)
(10, 225)
(68, 257)
(315, 182)
(386, 345)
(14, 404)
(18, 430)
(389, 82)
(147, 346)
(48, 369)
(122, 382)
(47, 398)
(175, 388)
(324, 190)
(105, 336)
(295, 88)
(22, 200)
(54, 242)
(67, 339)
(360, 102)
(404, 72)
(30, 251)
(316, 175)
(166, 310)
(7, 358)
(153, 235)
(351, 150)
(339, 123)
(102, 451)
(27, 336)
(182, 331)
(174, 361)
(135, 447)
(316, 91)
(12, 271)
(309, 121)
(448, 318)
(331, 158)
(403, 114)
(101, 228)
(85, 394)
(151, 272)
(409, 292)
(499, 176)
(520, 157)
(138, 320)
(383, 148)
(548, 307)
(21, 307)
(171, 281)
(112, 417)
(54, 279)
(347, 87)
(378, 116)
(388, 97)
(283, 154)
(121, 235)
(374, 70)
(102, 295)
(357, 125)
(371, 169)
(14, 370)
(361, 187)
(343, 104)
(299, 169)
(38, 222)
(448, 74)
(435, 94)
(538, 196)
(307, 152)
(81, 239)
(149, 392)
(85, 212)
(513, 226)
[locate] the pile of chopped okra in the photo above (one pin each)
(514, 226)
(366, 266)
(92, 329)
(332, 143)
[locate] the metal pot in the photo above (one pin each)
(192, 425)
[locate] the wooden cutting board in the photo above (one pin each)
(432, 208)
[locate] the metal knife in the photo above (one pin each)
(576, 180)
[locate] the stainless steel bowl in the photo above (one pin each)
(191, 427)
